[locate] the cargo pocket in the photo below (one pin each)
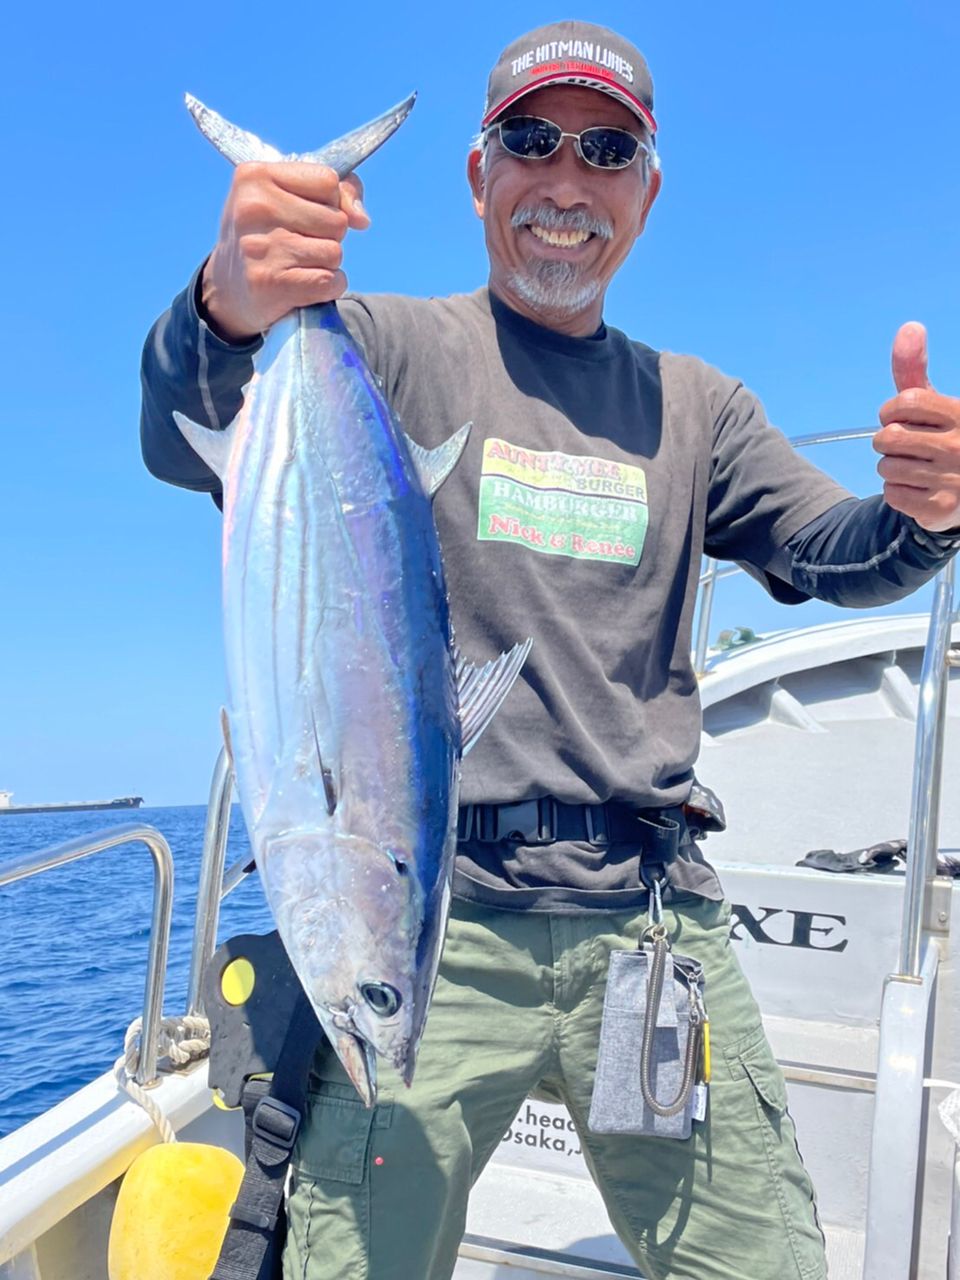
(760, 1065)
(752, 1059)
(328, 1211)
(335, 1141)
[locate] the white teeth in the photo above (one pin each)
(560, 239)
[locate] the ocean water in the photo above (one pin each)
(73, 947)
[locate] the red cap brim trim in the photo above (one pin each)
(565, 78)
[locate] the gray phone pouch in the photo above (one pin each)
(649, 1060)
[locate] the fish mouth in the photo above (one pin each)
(364, 1076)
(357, 1055)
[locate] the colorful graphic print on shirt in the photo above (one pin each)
(562, 504)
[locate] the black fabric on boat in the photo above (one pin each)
(888, 855)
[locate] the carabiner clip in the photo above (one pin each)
(656, 930)
(656, 902)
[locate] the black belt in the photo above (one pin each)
(546, 820)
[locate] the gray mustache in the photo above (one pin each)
(551, 218)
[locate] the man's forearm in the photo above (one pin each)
(187, 367)
(862, 553)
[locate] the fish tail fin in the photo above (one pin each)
(342, 155)
(237, 145)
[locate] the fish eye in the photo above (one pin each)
(383, 999)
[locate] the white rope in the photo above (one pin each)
(181, 1041)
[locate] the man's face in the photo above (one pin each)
(596, 214)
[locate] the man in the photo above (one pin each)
(597, 473)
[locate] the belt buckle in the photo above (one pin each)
(595, 819)
(465, 822)
(529, 822)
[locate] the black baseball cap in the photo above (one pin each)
(571, 53)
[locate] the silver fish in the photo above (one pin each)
(349, 707)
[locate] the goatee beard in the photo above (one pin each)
(554, 287)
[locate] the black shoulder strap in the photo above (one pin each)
(269, 1027)
(273, 1110)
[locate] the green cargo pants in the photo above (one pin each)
(382, 1194)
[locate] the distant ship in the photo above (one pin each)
(69, 806)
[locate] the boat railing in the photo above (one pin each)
(923, 832)
(216, 880)
(211, 888)
(908, 1006)
(58, 855)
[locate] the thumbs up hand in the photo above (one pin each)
(919, 439)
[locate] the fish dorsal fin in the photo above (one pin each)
(237, 145)
(434, 465)
(212, 446)
(482, 689)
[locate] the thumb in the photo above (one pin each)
(351, 202)
(910, 356)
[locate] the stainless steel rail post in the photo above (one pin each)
(833, 437)
(928, 761)
(211, 877)
(129, 833)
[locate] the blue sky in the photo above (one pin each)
(809, 207)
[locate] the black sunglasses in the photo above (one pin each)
(603, 146)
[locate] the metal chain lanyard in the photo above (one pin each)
(697, 1056)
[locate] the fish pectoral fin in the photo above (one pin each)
(326, 773)
(434, 465)
(212, 446)
(481, 690)
(237, 145)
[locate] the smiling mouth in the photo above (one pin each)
(559, 239)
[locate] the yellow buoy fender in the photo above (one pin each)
(171, 1213)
